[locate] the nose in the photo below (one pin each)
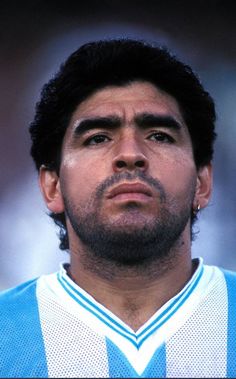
(129, 156)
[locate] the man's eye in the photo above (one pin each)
(161, 137)
(95, 140)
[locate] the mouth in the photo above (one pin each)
(130, 191)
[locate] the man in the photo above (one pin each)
(123, 142)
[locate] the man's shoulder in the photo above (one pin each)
(18, 301)
(230, 278)
(229, 275)
(19, 312)
(217, 272)
(223, 284)
(17, 292)
(21, 340)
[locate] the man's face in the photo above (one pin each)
(127, 168)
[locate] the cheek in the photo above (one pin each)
(178, 175)
(80, 177)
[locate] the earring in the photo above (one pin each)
(196, 210)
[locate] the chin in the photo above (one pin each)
(131, 220)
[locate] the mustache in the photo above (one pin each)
(119, 177)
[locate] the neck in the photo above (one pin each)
(133, 294)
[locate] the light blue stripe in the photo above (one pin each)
(22, 353)
(171, 313)
(120, 367)
(189, 290)
(95, 314)
(118, 364)
(156, 368)
(230, 278)
(98, 309)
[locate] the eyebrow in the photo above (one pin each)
(147, 120)
(109, 122)
(143, 120)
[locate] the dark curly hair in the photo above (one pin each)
(98, 64)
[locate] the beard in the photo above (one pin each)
(133, 239)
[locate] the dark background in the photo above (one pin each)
(35, 37)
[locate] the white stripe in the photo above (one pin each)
(199, 348)
(72, 348)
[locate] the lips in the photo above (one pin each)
(130, 188)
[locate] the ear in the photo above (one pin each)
(203, 187)
(50, 187)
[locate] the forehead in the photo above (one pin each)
(128, 101)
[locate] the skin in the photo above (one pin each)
(90, 157)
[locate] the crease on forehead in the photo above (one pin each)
(126, 102)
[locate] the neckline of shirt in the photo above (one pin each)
(88, 303)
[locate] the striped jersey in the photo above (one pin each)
(50, 327)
